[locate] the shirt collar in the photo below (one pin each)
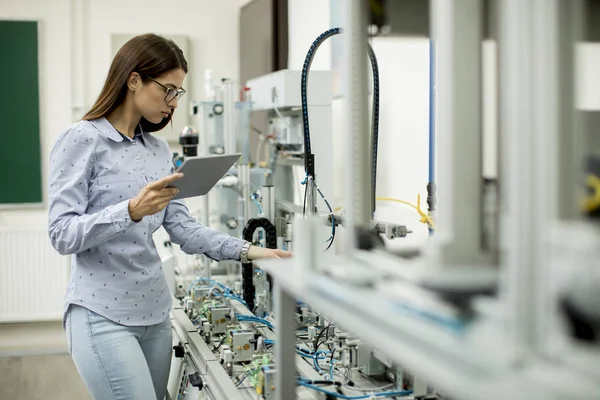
(110, 132)
(138, 135)
(107, 129)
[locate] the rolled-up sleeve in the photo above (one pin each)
(195, 238)
(71, 230)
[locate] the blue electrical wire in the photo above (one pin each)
(302, 382)
(431, 112)
(253, 319)
(234, 297)
(454, 324)
(227, 292)
(431, 120)
(212, 282)
(331, 215)
(325, 200)
(248, 318)
(306, 353)
(243, 377)
(331, 369)
(258, 206)
(314, 359)
(310, 353)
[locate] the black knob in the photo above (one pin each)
(196, 380)
(179, 351)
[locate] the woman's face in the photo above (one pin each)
(151, 99)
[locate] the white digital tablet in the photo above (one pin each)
(200, 174)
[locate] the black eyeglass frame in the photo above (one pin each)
(171, 93)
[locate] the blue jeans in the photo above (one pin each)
(116, 361)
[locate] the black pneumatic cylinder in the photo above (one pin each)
(189, 139)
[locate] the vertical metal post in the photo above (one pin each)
(528, 140)
(357, 179)
(268, 203)
(546, 119)
(230, 96)
(289, 235)
(572, 140)
(203, 151)
(285, 353)
(457, 33)
(244, 179)
(515, 108)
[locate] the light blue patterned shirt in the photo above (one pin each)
(116, 270)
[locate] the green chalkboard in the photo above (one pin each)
(20, 153)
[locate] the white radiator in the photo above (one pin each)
(33, 276)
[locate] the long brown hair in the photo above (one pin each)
(150, 56)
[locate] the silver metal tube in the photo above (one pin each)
(289, 232)
(311, 197)
(529, 133)
(230, 96)
(203, 151)
(206, 210)
(457, 31)
(244, 179)
(358, 179)
(268, 202)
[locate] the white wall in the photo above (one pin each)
(212, 27)
(307, 19)
(588, 86)
(55, 81)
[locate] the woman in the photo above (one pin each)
(107, 196)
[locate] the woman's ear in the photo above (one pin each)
(134, 82)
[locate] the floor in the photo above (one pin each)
(35, 338)
(47, 377)
(34, 364)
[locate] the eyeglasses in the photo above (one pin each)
(171, 93)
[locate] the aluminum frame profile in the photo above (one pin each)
(457, 29)
(357, 180)
(529, 111)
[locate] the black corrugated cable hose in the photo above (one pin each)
(248, 268)
(309, 162)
